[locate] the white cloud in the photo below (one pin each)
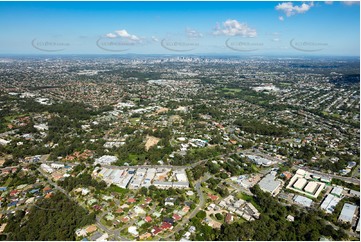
(124, 34)
(329, 2)
(233, 28)
(349, 3)
(281, 18)
(289, 9)
(191, 33)
(111, 35)
(155, 39)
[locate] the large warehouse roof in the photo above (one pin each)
(347, 212)
(311, 187)
(300, 183)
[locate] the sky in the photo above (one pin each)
(181, 28)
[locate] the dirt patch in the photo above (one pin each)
(175, 118)
(150, 141)
(162, 110)
(2, 161)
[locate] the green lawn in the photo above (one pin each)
(114, 188)
(8, 182)
(245, 197)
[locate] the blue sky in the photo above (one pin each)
(239, 28)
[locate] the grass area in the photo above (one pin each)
(134, 159)
(114, 188)
(8, 181)
(240, 220)
(284, 84)
(245, 197)
(212, 216)
(227, 90)
(12, 117)
(255, 169)
(134, 121)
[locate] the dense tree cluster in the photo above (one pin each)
(345, 184)
(73, 110)
(55, 218)
(258, 127)
(84, 179)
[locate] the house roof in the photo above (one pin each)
(177, 217)
(125, 219)
(157, 230)
(148, 219)
(91, 229)
(228, 218)
(168, 220)
(166, 225)
(49, 195)
(212, 197)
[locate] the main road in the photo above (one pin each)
(343, 178)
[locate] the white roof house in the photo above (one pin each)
(133, 231)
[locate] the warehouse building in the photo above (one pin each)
(149, 177)
(311, 187)
(304, 201)
(347, 213)
(337, 191)
(46, 168)
(302, 182)
(270, 184)
(329, 203)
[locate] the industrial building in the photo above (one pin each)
(142, 177)
(329, 203)
(347, 213)
(337, 191)
(105, 160)
(137, 178)
(149, 177)
(260, 160)
(270, 184)
(57, 165)
(181, 184)
(302, 182)
(311, 187)
(46, 168)
(304, 201)
(181, 175)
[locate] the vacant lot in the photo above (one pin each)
(151, 141)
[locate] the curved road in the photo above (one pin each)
(201, 204)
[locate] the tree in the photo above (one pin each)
(201, 214)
